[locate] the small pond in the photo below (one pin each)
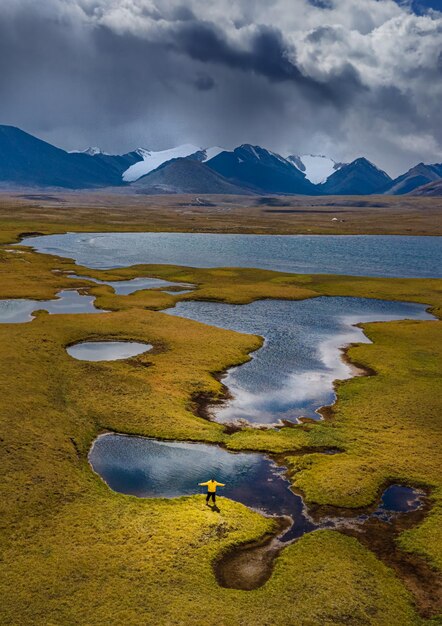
(106, 350)
(149, 468)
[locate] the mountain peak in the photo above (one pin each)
(186, 175)
(359, 177)
(91, 151)
(260, 169)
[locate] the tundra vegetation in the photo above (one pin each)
(75, 552)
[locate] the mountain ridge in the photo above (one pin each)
(261, 169)
(417, 176)
(26, 160)
(360, 177)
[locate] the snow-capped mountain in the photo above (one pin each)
(152, 160)
(91, 151)
(316, 167)
(260, 169)
(360, 177)
(210, 153)
(27, 161)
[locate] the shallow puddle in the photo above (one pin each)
(107, 350)
(292, 375)
(68, 301)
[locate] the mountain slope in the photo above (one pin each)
(317, 168)
(26, 160)
(117, 162)
(359, 177)
(431, 189)
(262, 170)
(419, 175)
(185, 176)
(151, 160)
(120, 163)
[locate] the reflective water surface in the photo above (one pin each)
(292, 375)
(149, 468)
(106, 350)
(358, 255)
(126, 287)
(68, 301)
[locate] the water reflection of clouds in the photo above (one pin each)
(293, 374)
(169, 469)
(297, 393)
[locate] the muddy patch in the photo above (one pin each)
(401, 507)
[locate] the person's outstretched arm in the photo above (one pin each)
(220, 484)
(203, 484)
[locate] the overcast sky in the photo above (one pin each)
(338, 77)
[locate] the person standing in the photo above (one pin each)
(211, 485)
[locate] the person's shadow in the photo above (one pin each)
(214, 508)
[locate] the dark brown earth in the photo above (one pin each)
(250, 566)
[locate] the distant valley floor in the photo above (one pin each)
(57, 211)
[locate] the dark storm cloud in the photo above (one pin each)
(157, 73)
(321, 4)
(266, 54)
(204, 82)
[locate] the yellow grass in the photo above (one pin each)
(74, 552)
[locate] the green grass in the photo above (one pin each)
(75, 552)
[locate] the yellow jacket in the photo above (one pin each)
(211, 485)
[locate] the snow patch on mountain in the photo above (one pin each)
(91, 151)
(152, 160)
(316, 167)
(211, 153)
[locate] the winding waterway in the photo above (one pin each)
(126, 287)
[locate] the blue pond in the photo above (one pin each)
(149, 468)
(359, 255)
(292, 375)
(67, 301)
